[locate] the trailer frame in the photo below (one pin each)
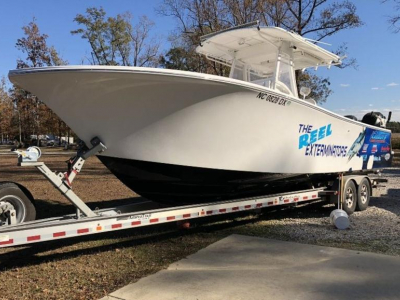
(110, 220)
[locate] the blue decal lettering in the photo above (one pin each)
(323, 150)
(312, 147)
(303, 141)
(300, 127)
(321, 132)
(328, 130)
(305, 128)
(310, 136)
(307, 150)
(313, 136)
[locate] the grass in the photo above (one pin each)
(396, 140)
(396, 148)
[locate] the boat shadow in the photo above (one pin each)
(33, 254)
(46, 208)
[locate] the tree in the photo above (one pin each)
(115, 41)
(394, 127)
(316, 18)
(394, 19)
(34, 45)
(319, 86)
(31, 115)
(6, 113)
(145, 51)
(180, 59)
(97, 33)
(27, 105)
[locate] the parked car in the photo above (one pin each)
(51, 143)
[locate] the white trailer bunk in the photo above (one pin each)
(17, 209)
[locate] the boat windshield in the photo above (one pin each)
(248, 73)
(237, 70)
(284, 82)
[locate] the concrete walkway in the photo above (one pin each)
(242, 267)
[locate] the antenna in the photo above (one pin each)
(317, 42)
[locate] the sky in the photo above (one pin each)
(373, 86)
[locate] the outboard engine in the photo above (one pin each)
(374, 118)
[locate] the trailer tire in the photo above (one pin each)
(350, 197)
(22, 201)
(363, 194)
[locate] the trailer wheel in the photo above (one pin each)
(22, 202)
(350, 197)
(364, 194)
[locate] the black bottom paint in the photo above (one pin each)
(177, 185)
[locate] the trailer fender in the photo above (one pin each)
(24, 189)
(17, 204)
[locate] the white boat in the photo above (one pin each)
(176, 136)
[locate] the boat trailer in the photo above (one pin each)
(86, 221)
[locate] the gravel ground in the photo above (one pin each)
(376, 229)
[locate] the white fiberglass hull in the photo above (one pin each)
(204, 121)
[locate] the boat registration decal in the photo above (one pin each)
(273, 99)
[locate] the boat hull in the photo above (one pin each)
(180, 124)
(175, 184)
